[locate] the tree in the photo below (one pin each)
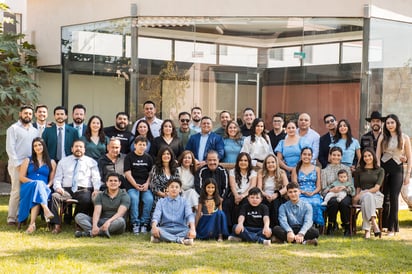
(17, 84)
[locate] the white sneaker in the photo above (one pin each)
(154, 240)
(136, 229)
(143, 229)
(267, 242)
(188, 242)
(324, 204)
(234, 239)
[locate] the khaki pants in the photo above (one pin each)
(14, 193)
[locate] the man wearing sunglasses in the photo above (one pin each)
(325, 140)
(184, 131)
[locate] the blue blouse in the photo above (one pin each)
(291, 154)
(348, 153)
(232, 149)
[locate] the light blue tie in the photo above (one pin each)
(79, 131)
(74, 178)
(59, 144)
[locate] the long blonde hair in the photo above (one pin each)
(278, 172)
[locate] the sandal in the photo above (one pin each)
(48, 217)
(31, 229)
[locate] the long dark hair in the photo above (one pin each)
(159, 162)
(88, 133)
(253, 130)
(203, 194)
(338, 135)
(362, 163)
(45, 154)
(149, 135)
(387, 134)
(299, 164)
(174, 132)
(238, 175)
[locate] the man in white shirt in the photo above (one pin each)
(18, 147)
(155, 123)
(77, 176)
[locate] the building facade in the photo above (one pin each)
(342, 57)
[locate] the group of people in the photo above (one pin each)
(194, 181)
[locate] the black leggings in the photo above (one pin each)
(391, 190)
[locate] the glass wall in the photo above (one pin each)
(390, 69)
(285, 65)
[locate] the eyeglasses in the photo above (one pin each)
(330, 121)
(184, 120)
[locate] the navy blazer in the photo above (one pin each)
(324, 143)
(50, 138)
(214, 142)
(83, 128)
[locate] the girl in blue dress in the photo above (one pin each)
(36, 177)
(308, 178)
(210, 219)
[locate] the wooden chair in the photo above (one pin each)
(64, 206)
(354, 212)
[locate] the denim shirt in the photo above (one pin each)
(299, 214)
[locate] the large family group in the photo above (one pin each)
(241, 183)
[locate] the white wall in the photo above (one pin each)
(45, 17)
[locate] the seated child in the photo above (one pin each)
(253, 223)
(173, 219)
(295, 219)
(210, 219)
(343, 182)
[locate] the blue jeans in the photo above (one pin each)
(147, 199)
(251, 234)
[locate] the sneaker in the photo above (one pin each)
(143, 229)
(311, 242)
(79, 234)
(136, 229)
(188, 242)
(267, 242)
(234, 239)
(154, 240)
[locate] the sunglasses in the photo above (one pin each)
(184, 120)
(330, 121)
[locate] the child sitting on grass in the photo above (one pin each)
(295, 219)
(211, 221)
(345, 186)
(173, 220)
(253, 223)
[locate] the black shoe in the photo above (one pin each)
(330, 229)
(346, 232)
(79, 234)
(311, 242)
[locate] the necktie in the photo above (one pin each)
(41, 129)
(74, 177)
(59, 144)
(79, 131)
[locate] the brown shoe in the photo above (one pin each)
(57, 229)
(11, 223)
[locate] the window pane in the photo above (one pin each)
(194, 52)
(352, 52)
(321, 54)
(238, 56)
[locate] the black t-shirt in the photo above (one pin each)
(125, 137)
(140, 166)
(254, 214)
(275, 139)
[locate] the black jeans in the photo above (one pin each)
(343, 207)
(391, 189)
(281, 234)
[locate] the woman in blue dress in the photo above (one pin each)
(36, 177)
(349, 145)
(211, 221)
(308, 178)
(288, 150)
(233, 141)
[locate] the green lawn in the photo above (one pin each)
(47, 253)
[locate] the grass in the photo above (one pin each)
(47, 253)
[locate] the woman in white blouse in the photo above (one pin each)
(187, 169)
(241, 179)
(257, 145)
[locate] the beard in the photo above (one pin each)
(25, 120)
(376, 128)
(78, 121)
(197, 120)
(121, 126)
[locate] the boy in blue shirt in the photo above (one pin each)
(173, 219)
(295, 219)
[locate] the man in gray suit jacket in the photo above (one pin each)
(59, 130)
